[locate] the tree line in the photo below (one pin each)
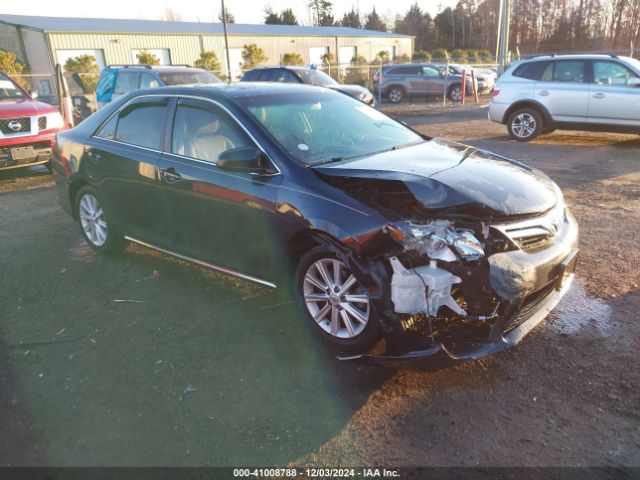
(536, 25)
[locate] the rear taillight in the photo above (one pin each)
(496, 91)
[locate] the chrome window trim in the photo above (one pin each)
(204, 264)
(192, 97)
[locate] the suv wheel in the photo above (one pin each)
(396, 94)
(455, 93)
(525, 124)
(97, 227)
(338, 307)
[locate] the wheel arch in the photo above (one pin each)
(304, 240)
(74, 188)
(541, 109)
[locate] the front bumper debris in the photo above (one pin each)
(439, 356)
(529, 284)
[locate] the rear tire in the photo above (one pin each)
(335, 304)
(525, 124)
(96, 224)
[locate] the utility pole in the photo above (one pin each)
(503, 34)
(226, 40)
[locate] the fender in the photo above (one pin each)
(546, 116)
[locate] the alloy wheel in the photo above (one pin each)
(334, 298)
(523, 125)
(93, 220)
(395, 95)
(456, 94)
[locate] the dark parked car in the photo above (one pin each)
(447, 252)
(405, 81)
(310, 76)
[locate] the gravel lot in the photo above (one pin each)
(139, 359)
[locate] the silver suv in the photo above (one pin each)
(570, 92)
(400, 82)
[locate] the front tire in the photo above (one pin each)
(96, 225)
(455, 93)
(337, 306)
(525, 124)
(396, 94)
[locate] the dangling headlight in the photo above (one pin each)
(465, 244)
(439, 241)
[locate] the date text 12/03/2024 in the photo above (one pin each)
(316, 472)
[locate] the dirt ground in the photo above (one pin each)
(138, 359)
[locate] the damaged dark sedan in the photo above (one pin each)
(400, 248)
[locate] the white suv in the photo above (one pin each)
(571, 92)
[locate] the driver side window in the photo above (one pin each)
(611, 74)
(203, 132)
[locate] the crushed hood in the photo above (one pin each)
(444, 175)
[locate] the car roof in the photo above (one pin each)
(234, 90)
(409, 65)
(581, 56)
(157, 68)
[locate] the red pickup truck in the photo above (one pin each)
(27, 127)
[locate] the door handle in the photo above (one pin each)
(543, 93)
(599, 95)
(170, 174)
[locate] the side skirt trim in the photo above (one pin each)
(204, 264)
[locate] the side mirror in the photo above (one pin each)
(633, 82)
(33, 94)
(243, 159)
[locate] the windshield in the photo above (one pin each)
(9, 90)
(189, 78)
(315, 77)
(320, 127)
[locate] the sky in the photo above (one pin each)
(245, 11)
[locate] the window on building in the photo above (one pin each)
(162, 54)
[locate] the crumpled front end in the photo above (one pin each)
(460, 289)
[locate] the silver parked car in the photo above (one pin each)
(570, 92)
(485, 81)
(400, 82)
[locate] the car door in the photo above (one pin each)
(433, 80)
(217, 216)
(612, 100)
(563, 89)
(122, 160)
(415, 80)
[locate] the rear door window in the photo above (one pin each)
(125, 82)
(405, 71)
(142, 123)
(569, 71)
(148, 81)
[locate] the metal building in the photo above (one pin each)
(41, 42)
